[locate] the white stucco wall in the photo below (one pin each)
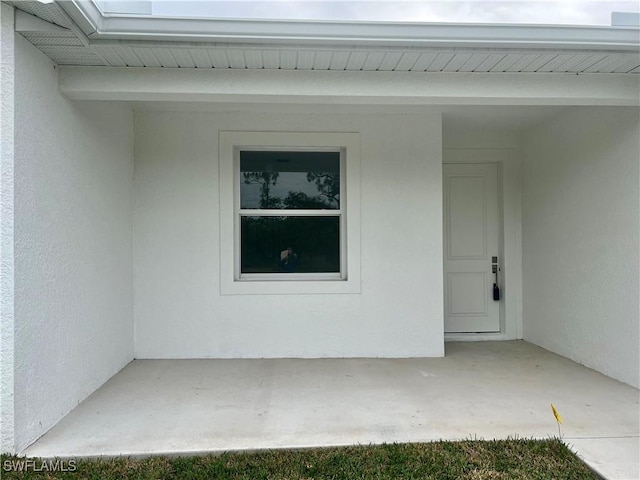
(73, 245)
(580, 231)
(7, 118)
(179, 311)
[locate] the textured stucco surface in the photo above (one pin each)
(179, 312)
(7, 84)
(73, 245)
(580, 231)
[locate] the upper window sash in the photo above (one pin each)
(281, 207)
(290, 179)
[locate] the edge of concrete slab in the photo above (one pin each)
(584, 460)
(298, 447)
(620, 473)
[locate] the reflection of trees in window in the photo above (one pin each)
(266, 180)
(301, 200)
(328, 184)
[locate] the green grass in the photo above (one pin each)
(467, 460)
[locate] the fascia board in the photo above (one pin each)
(98, 26)
(85, 14)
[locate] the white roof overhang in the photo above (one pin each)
(90, 37)
(99, 26)
(208, 60)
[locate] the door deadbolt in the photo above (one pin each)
(496, 288)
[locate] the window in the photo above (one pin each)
(289, 212)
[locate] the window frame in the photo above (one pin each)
(283, 212)
(232, 281)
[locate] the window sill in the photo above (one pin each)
(296, 277)
(289, 287)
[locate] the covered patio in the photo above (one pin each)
(478, 390)
(129, 325)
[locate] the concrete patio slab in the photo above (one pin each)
(479, 390)
(610, 457)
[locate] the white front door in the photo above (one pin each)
(470, 244)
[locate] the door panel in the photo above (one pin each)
(467, 294)
(470, 241)
(466, 215)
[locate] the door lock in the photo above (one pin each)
(496, 288)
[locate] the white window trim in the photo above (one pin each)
(230, 282)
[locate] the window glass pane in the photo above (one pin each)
(290, 244)
(289, 180)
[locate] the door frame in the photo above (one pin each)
(510, 237)
(492, 319)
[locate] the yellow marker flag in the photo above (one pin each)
(556, 414)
